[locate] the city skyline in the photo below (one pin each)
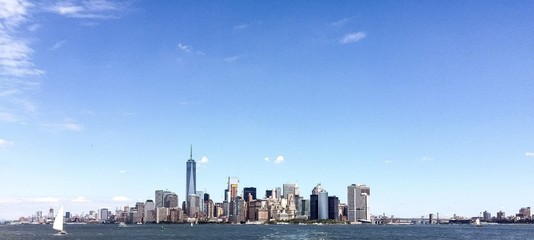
(426, 102)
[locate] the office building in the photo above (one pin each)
(170, 200)
(333, 208)
(233, 183)
(150, 212)
(191, 176)
(358, 203)
(314, 207)
(251, 191)
(288, 188)
(322, 202)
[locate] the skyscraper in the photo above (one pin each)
(247, 191)
(358, 202)
(233, 184)
(191, 176)
(322, 202)
(288, 188)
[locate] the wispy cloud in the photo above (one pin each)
(529, 154)
(388, 161)
(80, 199)
(340, 22)
(90, 9)
(279, 159)
(44, 200)
(120, 199)
(122, 171)
(241, 27)
(15, 53)
(68, 125)
(352, 37)
(267, 159)
(73, 127)
(189, 49)
(426, 159)
(231, 59)
(185, 47)
(7, 117)
(57, 45)
(5, 143)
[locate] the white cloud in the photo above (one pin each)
(340, 22)
(45, 200)
(120, 199)
(80, 199)
(529, 154)
(89, 9)
(7, 117)
(73, 127)
(267, 159)
(68, 125)
(58, 45)
(426, 159)
(6, 143)
(279, 159)
(231, 59)
(185, 47)
(204, 160)
(241, 27)
(388, 161)
(352, 37)
(15, 53)
(122, 171)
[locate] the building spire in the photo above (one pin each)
(191, 155)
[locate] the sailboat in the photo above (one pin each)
(477, 223)
(58, 222)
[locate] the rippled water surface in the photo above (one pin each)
(215, 231)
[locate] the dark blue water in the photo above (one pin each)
(214, 231)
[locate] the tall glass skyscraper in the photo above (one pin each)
(191, 176)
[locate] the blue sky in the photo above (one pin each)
(428, 102)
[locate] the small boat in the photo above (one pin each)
(122, 224)
(58, 222)
(191, 224)
(477, 223)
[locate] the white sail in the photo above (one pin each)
(58, 222)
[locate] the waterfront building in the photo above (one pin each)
(322, 202)
(150, 212)
(193, 205)
(191, 176)
(486, 216)
(323, 205)
(524, 214)
(251, 191)
(200, 195)
(358, 203)
(161, 214)
(305, 208)
(501, 215)
(104, 214)
(170, 200)
(333, 208)
(140, 206)
(175, 215)
(314, 207)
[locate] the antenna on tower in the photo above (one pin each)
(191, 156)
